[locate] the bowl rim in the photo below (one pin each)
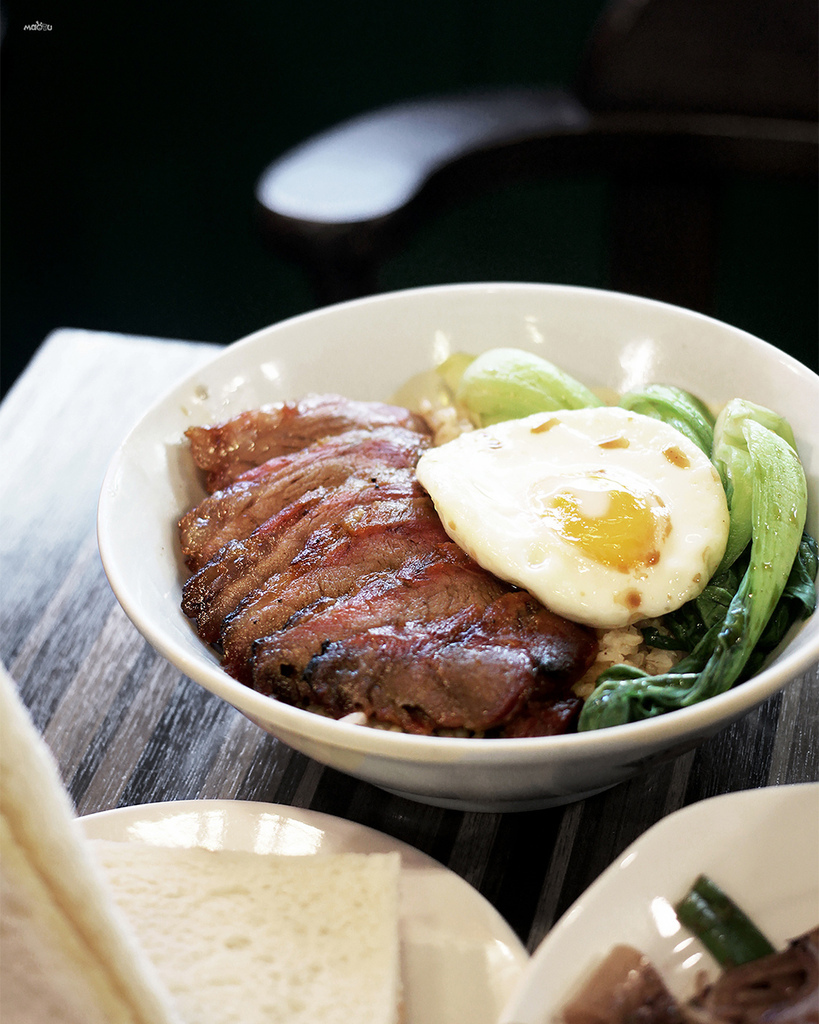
(714, 713)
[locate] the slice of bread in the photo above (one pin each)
(95, 932)
(245, 938)
(66, 952)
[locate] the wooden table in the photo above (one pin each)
(127, 728)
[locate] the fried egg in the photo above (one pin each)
(605, 515)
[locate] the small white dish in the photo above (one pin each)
(461, 960)
(368, 349)
(761, 846)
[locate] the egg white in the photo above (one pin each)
(607, 516)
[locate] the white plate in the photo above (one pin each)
(761, 846)
(461, 959)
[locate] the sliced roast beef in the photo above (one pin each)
(437, 586)
(472, 670)
(378, 543)
(323, 573)
(226, 450)
(261, 492)
(243, 566)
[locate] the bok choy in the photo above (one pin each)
(767, 496)
(676, 407)
(509, 383)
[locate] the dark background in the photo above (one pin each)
(133, 134)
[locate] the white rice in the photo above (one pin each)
(446, 422)
(625, 646)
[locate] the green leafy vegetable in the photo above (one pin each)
(508, 383)
(756, 458)
(798, 601)
(676, 407)
(734, 461)
(722, 927)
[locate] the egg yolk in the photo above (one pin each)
(613, 524)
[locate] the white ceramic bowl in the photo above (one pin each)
(753, 844)
(367, 349)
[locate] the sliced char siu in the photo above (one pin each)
(259, 493)
(474, 670)
(322, 571)
(226, 450)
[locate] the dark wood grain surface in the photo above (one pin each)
(127, 728)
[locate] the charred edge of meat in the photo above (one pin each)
(460, 672)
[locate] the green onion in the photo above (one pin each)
(722, 927)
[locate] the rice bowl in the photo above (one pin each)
(367, 349)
